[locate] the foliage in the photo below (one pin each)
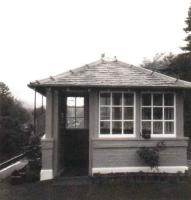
(188, 31)
(177, 66)
(40, 121)
(159, 62)
(150, 155)
(33, 150)
(13, 117)
(4, 90)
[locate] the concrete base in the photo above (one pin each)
(161, 169)
(47, 159)
(46, 174)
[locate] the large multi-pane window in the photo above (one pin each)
(117, 113)
(158, 114)
(75, 112)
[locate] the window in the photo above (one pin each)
(116, 114)
(75, 112)
(158, 114)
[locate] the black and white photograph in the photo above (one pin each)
(95, 100)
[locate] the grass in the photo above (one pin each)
(133, 191)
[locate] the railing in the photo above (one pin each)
(11, 161)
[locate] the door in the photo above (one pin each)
(76, 137)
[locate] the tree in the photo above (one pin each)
(160, 62)
(4, 90)
(13, 116)
(188, 31)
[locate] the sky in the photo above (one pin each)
(40, 38)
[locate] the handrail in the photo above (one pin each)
(11, 161)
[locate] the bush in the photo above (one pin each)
(150, 156)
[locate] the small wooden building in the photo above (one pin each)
(97, 115)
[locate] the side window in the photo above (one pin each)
(158, 116)
(75, 112)
(116, 114)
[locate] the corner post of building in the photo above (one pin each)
(93, 124)
(56, 152)
(47, 139)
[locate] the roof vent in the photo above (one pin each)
(71, 72)
(153, 72)
(52, 78)
(108, 59)
(102, 56)
(115, 59)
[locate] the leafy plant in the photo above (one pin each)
(150, 155)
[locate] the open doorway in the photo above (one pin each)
(76, 136)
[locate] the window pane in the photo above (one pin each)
(128, 113)
(104, 127)
(157, 113)
(70, 123)
(104, 113)
(79, 112)
(70, 101)
(146, 113)
(168, 99)
(128, 128)
(79, 101)
(79, 122)
(128, 99)
(157, 99)
(105, 99)
(169, 113)
(146, 127)
(117, 98)
(116, 114)
(157, 127)
(169, 127)
(146, 99)
(116, 127)
(70, 111)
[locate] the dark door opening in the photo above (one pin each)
(76, 136)
(76, 153)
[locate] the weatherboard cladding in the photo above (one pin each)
(111, 74)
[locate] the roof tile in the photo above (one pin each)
(111, 73)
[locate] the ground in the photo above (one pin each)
(129, 191)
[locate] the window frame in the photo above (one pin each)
(110, 120)
(163, 135)
(75, 117)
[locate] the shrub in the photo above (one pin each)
(150, 156)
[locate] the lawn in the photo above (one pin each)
(127, 191)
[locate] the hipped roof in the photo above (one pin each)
(111, 74)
